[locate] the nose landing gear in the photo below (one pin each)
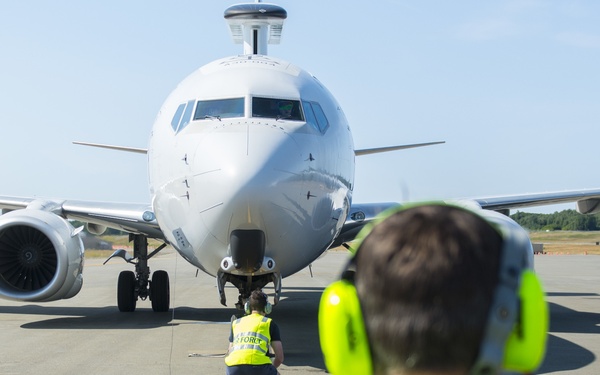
(246, 284)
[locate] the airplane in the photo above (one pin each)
(251, 173)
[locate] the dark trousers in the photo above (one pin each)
(267, 369)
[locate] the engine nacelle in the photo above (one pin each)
(41, 257)
(588, 206)
(95, 229)
(503, 220)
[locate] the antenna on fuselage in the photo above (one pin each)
(255, 25)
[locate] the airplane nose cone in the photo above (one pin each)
(246, 154)
(239, 169)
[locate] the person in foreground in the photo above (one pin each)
(435, 289)
(250, 339)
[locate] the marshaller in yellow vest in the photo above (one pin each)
(250, 339)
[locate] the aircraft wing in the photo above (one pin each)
(128, 217)
(369, 151)
(587, 202)
(358, 217)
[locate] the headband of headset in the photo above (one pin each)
(267, 309)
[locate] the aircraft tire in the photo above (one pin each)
(126, 298)
(159, 291)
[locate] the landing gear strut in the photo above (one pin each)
(246, 284)
(133, 286)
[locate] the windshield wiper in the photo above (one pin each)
(213, 117)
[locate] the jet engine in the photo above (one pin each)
(41, 257)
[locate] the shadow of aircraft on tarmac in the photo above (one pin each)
(562, 354)
(296, 316)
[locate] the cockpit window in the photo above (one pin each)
(220, 108)
(277, 108)
(182, 116)
(315, 116)
(321, 118)
(187, 114)
(177, 117)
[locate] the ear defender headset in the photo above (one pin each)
(514, 338)
(267, 310)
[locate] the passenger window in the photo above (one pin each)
(220, 108)
(177, 117)
(277, 108)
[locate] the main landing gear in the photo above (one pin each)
(134, 285)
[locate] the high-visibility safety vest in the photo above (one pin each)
(251, 339)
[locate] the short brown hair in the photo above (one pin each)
(425, 277)
(258, 300)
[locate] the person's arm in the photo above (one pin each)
(230, 340)
(278, 350)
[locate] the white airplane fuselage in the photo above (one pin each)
(290, 178)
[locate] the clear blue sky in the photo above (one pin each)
(513, 87)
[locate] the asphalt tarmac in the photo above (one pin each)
(87, 334)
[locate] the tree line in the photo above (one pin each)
(563, 220)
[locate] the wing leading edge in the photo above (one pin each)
(587, 202)
(369, 151)
(128, 217)
(139, 218)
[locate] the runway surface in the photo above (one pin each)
(87, 334)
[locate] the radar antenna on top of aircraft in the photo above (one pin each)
(251, 174)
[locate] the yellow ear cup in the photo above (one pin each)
(526, 345)
(342, 332)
